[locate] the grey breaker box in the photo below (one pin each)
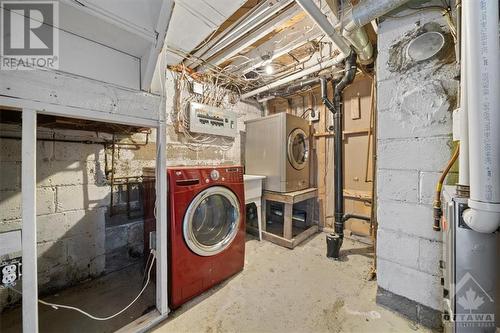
(206, 119)
(471, 277)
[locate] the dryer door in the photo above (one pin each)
(298, 149)
(211, 221)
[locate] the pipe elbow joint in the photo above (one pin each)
(482, 217)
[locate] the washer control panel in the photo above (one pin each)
(206, 119)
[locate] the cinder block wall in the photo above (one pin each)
(415, 101)
(73, 195)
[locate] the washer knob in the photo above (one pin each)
(214, 174)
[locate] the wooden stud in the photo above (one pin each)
(161, 221)
(28, 194)
(287, 221)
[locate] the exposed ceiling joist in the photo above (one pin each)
(296, 76)
(106, 12)
(254, 18)
(321, 19)
(251, 38)
(193, 21)
(280, 44)
(149, 61)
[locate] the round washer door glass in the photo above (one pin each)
(211, 221)
(298, 148)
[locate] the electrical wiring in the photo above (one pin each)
(215, 92)
(68, 307)
(311, 110)
(446, 12)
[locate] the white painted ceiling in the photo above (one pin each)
(195, 20)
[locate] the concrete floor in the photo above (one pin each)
(279, 290)
(298, 290)
(101, 297)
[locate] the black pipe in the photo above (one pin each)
(355, 216)
(324, 96)
(335, 241)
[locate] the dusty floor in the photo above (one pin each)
(279, 290)
(101, 297)
(298, 290)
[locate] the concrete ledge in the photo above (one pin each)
(412, 310)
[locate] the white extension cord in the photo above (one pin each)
(60, 306)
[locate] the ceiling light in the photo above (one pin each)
(269, 69)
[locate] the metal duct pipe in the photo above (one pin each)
(367, 10)
(363, 13)
(483, 87)
(317, 16)
(361, 43)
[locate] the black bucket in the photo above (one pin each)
(333, 245)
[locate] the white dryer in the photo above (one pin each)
(277, 147)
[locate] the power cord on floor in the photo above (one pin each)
(60, 306)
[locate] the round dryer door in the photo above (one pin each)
(298, 149)
(212, 221)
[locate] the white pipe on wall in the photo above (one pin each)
(483, 94)
(463, 158)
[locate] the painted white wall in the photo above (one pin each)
(413, 146)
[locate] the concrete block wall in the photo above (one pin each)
(77, 239)
(72, 200)
(414, 103)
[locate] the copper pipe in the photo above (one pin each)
(438, 211)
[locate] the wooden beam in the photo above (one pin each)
(322, 156)
(148, 63)
(251, 38)
(277, 240)
(162, 221)
(77, 97)
(28, 195)
(143, 323)
(304, 235)
(80, 113)
(287, 221)
(344, 133)
(291, 197)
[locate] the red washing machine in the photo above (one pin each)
(206, 229)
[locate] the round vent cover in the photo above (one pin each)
(425, 46)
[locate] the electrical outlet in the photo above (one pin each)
(314, 116)
(10, 272)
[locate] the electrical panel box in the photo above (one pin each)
(206, 119)
(470, 269)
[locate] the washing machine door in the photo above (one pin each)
(211, 221)
(298, 148)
